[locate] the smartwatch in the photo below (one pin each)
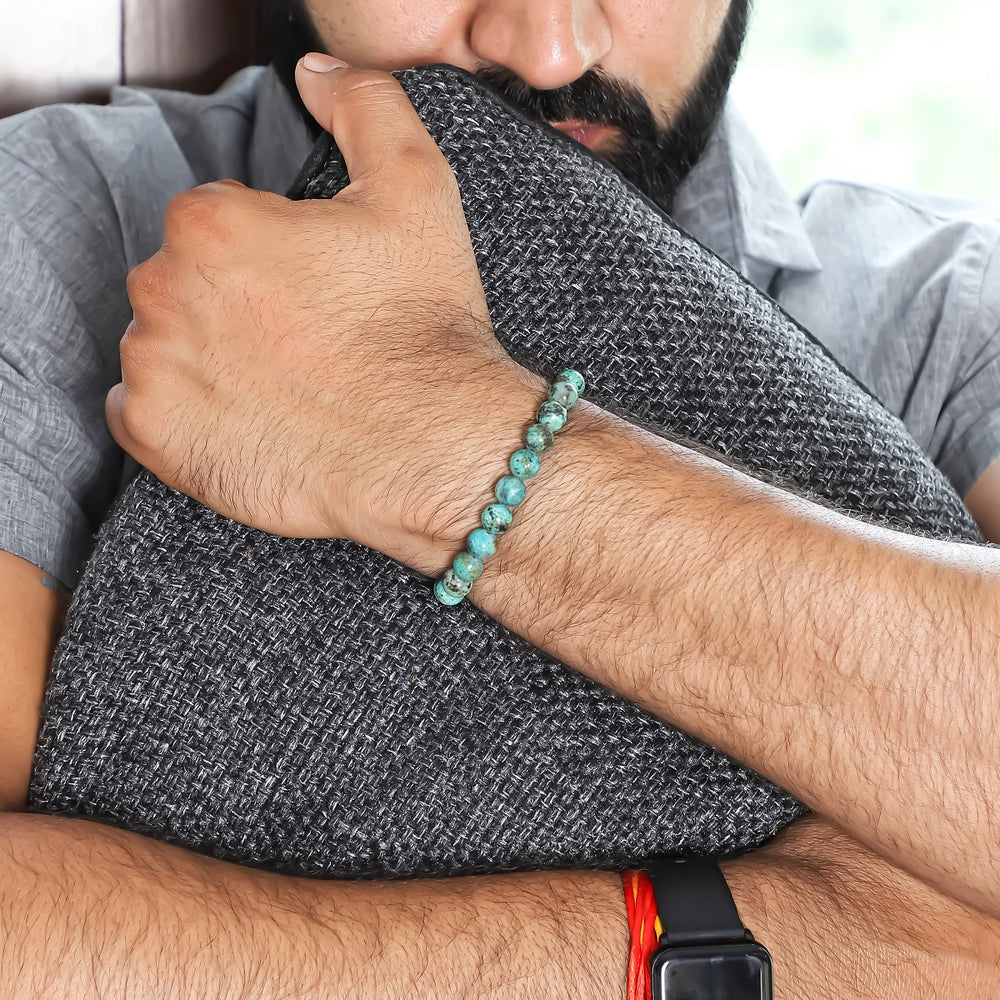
(705, 951)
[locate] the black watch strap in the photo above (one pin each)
(694, 902)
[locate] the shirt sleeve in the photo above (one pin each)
(63, 309)
(908, 299)
(83, 191)
(968, 429)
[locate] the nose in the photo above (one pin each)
(547, 43)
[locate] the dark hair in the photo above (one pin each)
(287, 33)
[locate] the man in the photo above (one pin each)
(89, 910)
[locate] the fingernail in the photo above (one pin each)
(317, 62)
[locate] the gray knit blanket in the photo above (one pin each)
(308, 706)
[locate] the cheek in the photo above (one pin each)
(387, 34)
(674, 40)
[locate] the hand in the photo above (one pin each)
(305, 367)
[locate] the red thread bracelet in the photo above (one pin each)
(644, 931)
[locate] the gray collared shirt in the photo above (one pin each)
(904, 289)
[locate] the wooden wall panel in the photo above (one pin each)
(70, 50)
(188, 44)
(58, 50)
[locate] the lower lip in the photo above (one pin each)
(585, 134)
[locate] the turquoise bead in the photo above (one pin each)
(525, 463)
(481, 544)
(565, 393)
(552, 415)
(446, 598)
(467, 567)
(497, 518)
(539, 438)
(510, 491)
(574, 378)
(453, 584)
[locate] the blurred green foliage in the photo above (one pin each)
(885, 91)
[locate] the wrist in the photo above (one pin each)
(551, 561)
(645, 930)
(688, 937)
(558, 933)
(462, 462)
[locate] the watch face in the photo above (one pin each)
(712, 972)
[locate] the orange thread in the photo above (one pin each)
(644, 932)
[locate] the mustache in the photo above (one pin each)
(594, 98)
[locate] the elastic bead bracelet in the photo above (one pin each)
(563, 395)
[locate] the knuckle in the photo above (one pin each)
(142, 415)
(196, 216)
(135, 419)
(128, 418)
(371, 84)
(138, 354)
(375, 95)
(146, 282)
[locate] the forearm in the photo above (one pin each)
(841, 923)
(32, 607)
(854, 666)
(88, 911)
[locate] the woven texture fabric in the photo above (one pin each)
(308, 706)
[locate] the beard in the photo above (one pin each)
(654, 158)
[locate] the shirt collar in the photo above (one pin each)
(736, 204)
(733, 201)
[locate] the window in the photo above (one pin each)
(899, 92)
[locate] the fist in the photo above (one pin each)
(297, 365)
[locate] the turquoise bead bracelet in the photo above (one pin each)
(510, 491)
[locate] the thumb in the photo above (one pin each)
(367, 112)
